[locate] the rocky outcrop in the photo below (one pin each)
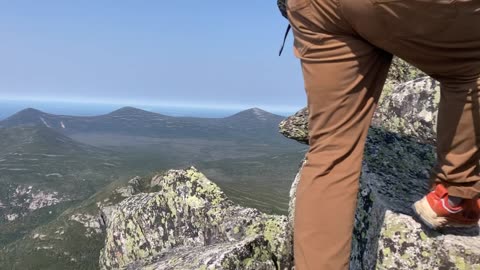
(295, 127)
(408, 105)
(130, 189)
(191, 224)
(408, 108)
(401, 71)
(395, 174)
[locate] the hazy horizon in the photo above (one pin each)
(10, 107)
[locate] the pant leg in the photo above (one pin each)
(458, 133)
(442, 38)
(343, 78)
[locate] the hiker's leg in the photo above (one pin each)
(442, 38)
(343, 77)
(458, 133)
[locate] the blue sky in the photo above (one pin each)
(194, 53)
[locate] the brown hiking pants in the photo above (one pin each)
(345, 48)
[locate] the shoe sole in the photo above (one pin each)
(426, 214)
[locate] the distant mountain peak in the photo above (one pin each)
(256, 110)
(30, 111)
(29, 116)
(128, 110)
(254, 113)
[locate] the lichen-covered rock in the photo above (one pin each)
(131, 188)
(225, 255)
(387, 237)
(408, 108)
(295, 127)
(395, 174)
(401, 72)
(291, 210)
(191, 224)
(411, 109)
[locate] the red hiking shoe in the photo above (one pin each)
(436, 212)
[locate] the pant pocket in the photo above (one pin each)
(301, 19)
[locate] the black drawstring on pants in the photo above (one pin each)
(284, 39)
